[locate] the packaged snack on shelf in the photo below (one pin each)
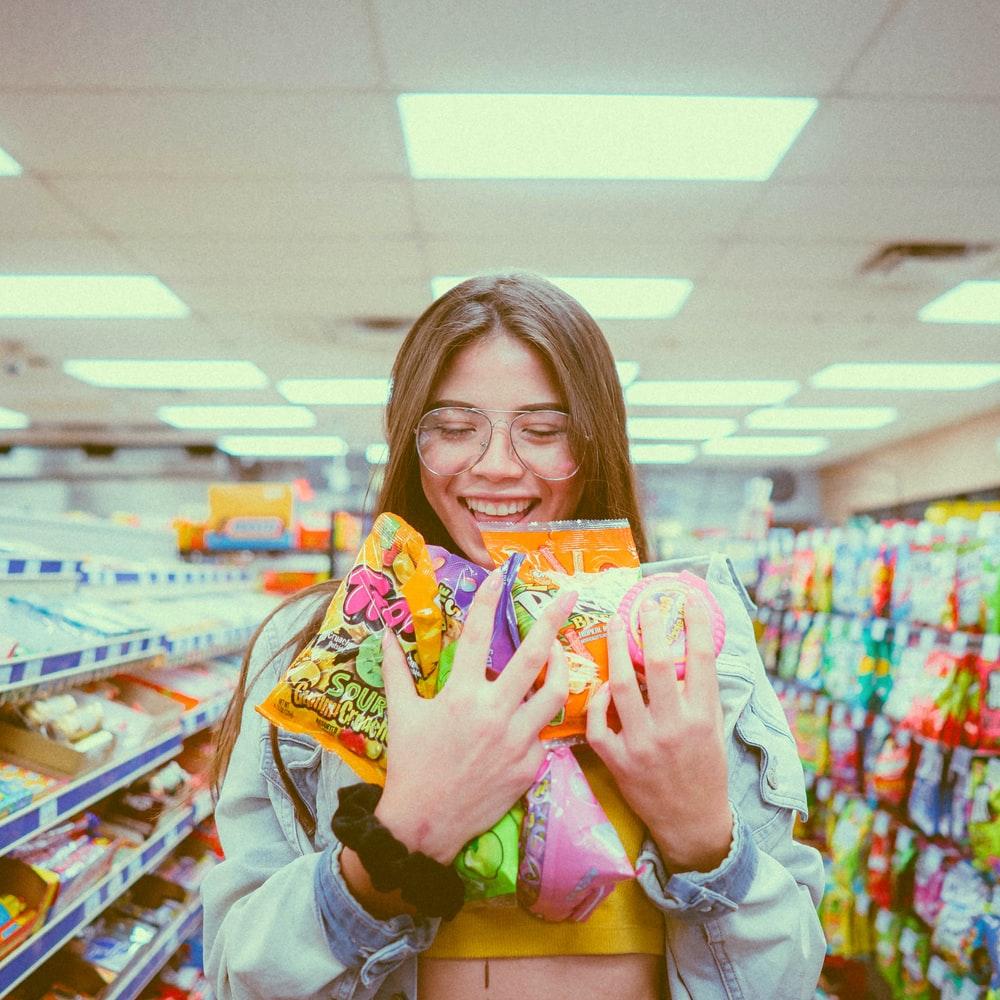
(933, 863)
(915, 952)
(770, 644)
(889, 762)
(791, 645)
(965, 897)
(598, 560)
(803, 568)
(888, 956)
(820, 597)
(333, 690)
(849, 842)
(984, 818)
(927, 803)
(907, 552)
(812, 732)
(955, 824)
(836, 914)
(809, 669)
(844, 736)
(571, 857)
(879, 860)
(989, 614)
(776, 571)
(982, 723)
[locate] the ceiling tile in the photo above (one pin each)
(883, 213)
(645, 46)
(746, 263)
(241, 208)
(28, 209)
(611, 212)
(188, 43)
(914, 140)
(26, 255)
(178, 133)
(934, 49)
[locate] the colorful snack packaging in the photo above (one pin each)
(571, 856)
(670, 591)
(333, 690)
(598, 560)
(457, 583)
(488, 864)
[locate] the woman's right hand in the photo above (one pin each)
(457, 762)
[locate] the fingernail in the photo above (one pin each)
(569, 599)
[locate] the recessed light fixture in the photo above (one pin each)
(599, 136)
(282, 446)
(197, 417)
(680, 428)
(12, 420)
(821, 418)
(662, 454)
(377, 454)
(704, 392)
(628, 371)
(907, 376)
(765, 447)
(609, 298)
(9, 167)
(131, 373)
(968, 302)
(335, 391)
(88, 296)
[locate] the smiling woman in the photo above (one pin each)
(506, 406)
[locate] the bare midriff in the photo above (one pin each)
(553, 977)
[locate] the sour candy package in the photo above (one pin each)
(598, 560)
(571, 856)
(333, 689)
(670, 591)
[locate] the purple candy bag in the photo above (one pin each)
(571, 856)
(506, 637)
(458, 580)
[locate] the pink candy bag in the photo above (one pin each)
(571, 856)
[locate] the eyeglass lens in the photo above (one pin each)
(453, 439)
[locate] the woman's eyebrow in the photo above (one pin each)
(474, 406)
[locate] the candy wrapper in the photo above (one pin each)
(598, 559)
(669, 591)
(571, 856)
(488, 864)
(333, 690)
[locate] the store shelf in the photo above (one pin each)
(95, 785)
(24, 570)
(22, 678)
(135, 977)
(54, 935)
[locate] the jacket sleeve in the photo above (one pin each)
(748, 929)
(280, 923)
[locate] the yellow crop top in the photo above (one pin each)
(626, 922)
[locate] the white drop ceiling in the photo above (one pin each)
(250, 156)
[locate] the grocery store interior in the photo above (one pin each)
(218, 223)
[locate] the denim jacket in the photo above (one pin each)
(280, 921)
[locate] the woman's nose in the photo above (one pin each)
(499, 460)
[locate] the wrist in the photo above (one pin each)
(410, 825)
(699, 849)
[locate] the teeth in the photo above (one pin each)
(498, 509)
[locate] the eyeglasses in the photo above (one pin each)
(452, 439)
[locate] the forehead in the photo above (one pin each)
(498, 372)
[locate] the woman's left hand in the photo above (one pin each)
(669, 759)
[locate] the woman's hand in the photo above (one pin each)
(669, 759)
(459, 761)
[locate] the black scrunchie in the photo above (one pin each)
(433, 889)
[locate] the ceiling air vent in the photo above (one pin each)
(929, 263)
(383, 324)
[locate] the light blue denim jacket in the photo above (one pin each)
(281, 923)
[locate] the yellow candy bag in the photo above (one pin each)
(333, 690)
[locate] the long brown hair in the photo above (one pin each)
(576, 354)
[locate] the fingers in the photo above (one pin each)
(477, 633)
(624, 687)
(661, 672)
(539, 710)
(601, 737)
(701, 679)
(522, 670)
(396, 675)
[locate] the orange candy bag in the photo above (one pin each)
(333, 690)
(599, 560)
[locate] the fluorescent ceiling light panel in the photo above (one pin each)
(197, 417)
(12, 420)
(610, 298)
(377, 454)
(766, 447)
(628, 371)
(705, 392)
(335, 391)
(9, 167)
(88, 296)
(280, 446)
(907, 376)
(129, 373)
(599, 136)
(680, 428)
(821, 418)
(662, 454)
(969, 302)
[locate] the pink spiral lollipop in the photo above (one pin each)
(669, 590)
